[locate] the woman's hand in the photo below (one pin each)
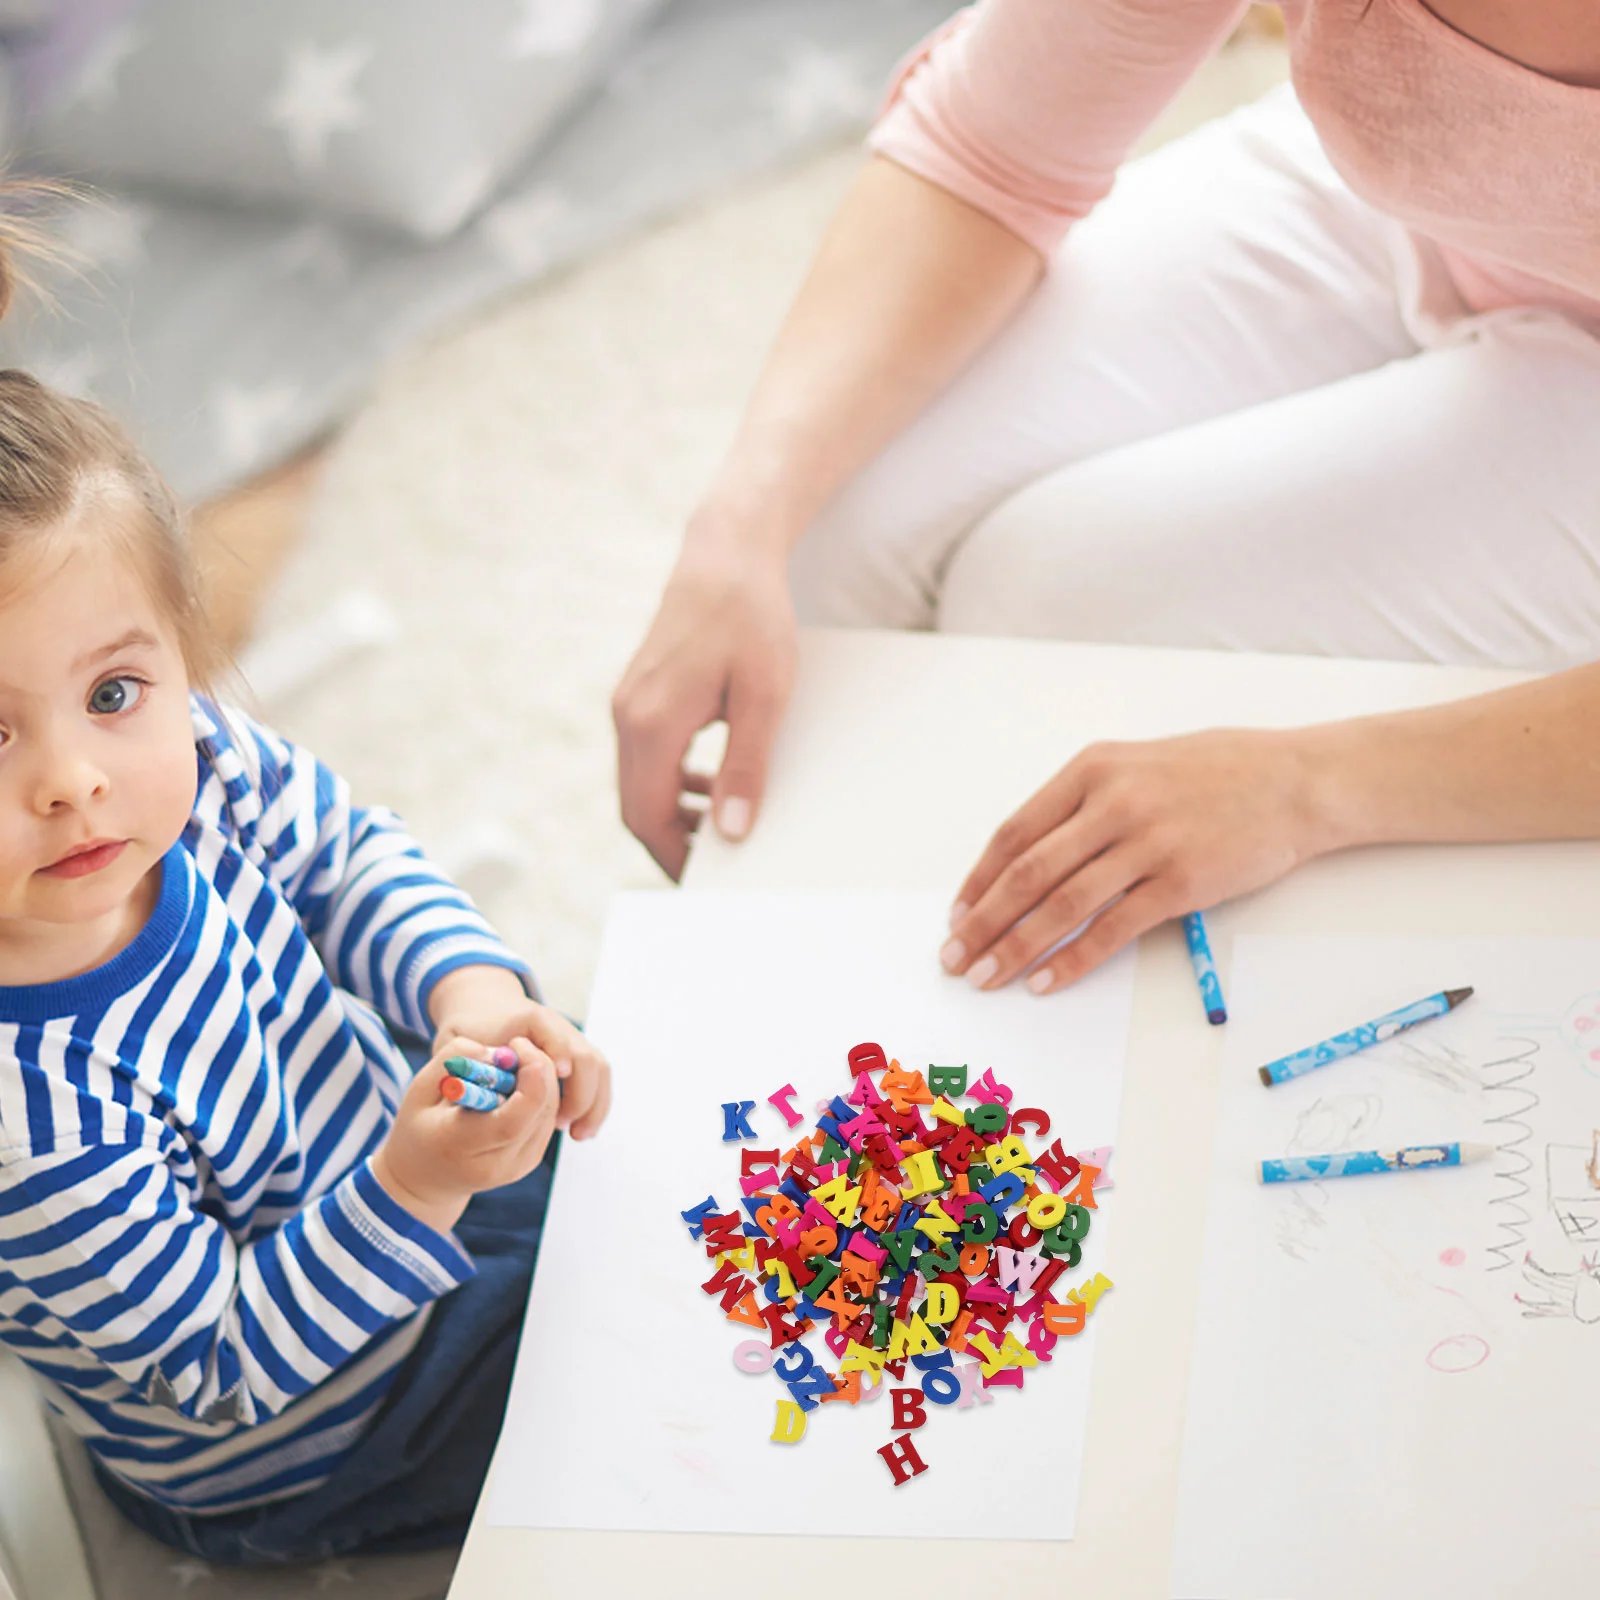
(490, 1005)
(722, 646)
(437, 1156)
(1138, 833)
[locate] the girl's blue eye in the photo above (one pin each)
(115, 694)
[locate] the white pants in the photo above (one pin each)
(1242, 410)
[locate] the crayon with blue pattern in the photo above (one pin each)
(486, 1075)
(470, 1096)
(1205, 969)
(1354, 1163)
(1368, 1034)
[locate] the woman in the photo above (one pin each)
(1324, 376)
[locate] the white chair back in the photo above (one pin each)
(41, 1555)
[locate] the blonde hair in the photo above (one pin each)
(60, 455)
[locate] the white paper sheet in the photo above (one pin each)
(1396, 1378)
(627, 1411)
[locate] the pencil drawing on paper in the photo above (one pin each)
(1461, 1352)
(1332, 1121)
(1437, 1063)
(1572, 1185)
(1510, 1077)
(1562, 1294)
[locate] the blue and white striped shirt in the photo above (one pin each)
(194, 1253)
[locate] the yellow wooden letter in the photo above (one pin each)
(1088, 1294)
(937, 1223)
(790, 1428)
(1009, 1155)
(943, 1303)
(922, 1175)
(839, 1198)
(863, 1358)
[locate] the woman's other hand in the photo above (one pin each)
(1139, 833)
(908, 285)
(721, 647)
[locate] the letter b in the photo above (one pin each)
(909, 1410)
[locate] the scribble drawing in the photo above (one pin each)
(1296, 1224)
(1436, 1063)
(1461, 1352)
(1330, 1123)
(1562, 1294)
(1571, 1189)
(1510, 1077)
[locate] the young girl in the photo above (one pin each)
(244, 1245)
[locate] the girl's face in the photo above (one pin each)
(97, 760)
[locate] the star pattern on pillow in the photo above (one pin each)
(107, 234)
(94, 86)
(518, 230)
(317, 97)
(553, 28)
(245, 416)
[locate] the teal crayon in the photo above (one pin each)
(1354, 1163)
(482, 1074)
(1205, 969)
(1363, 1037)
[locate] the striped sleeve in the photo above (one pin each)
(104, 1239)
(386, 921)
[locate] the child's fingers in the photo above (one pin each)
(579, 1091)
(536, 1076)
(557, 1037)
(586, 1126)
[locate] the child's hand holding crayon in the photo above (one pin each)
(490, 1005)
(435, 1158)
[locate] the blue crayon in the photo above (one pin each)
(481, 1073)
(1353, 1163)
(470, 1096)
(1205, 969)
(1362, 1038)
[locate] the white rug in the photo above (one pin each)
(512, 497)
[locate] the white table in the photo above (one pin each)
(900, 755)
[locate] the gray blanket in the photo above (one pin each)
(231, 331)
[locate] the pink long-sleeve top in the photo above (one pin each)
(1025, 109)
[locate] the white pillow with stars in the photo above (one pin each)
(403, 113)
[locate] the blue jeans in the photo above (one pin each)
(412, 1480)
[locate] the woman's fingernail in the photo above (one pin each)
(982, 971)
(953, 954)
(1041, 980)
(958, 911)
(733, 818)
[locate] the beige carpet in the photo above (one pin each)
(505, 510)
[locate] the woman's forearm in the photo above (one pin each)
(1519, 763)
(908, 284)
